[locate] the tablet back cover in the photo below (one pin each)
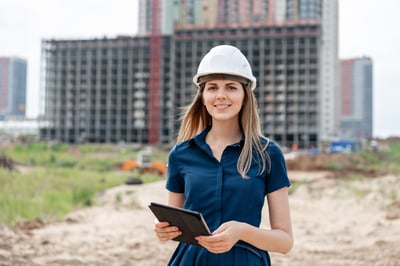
(190, 223)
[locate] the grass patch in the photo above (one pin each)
(62, 178)
(333, 166)
(367, 163)
(393, 155)
(358, 193)
(49, 194)
(356, 177)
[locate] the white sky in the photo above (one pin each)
(366, 28)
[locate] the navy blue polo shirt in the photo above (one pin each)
(215, 188)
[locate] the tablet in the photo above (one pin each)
(190, 223)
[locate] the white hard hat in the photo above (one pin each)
(225, 60)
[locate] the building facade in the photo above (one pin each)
(329, 73)
(96, 90)
(356, 109)
(16, 127)
(133, 88)
(13, 73)
(285, 61)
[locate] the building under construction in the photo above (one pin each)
(132, 88)
(97, 91)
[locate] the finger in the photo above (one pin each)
(211, 245)
(161, 225)
(214, 249)
(170, 229)
(171, 235)
(213, 239)
(223, 227)
(162, 236)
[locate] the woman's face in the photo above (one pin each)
(223, 99)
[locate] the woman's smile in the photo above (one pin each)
(222, 106)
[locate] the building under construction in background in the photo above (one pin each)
(132, 88)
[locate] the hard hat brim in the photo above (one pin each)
(201, 78)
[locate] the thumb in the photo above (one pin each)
(220, 229)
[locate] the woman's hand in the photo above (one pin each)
(222, 239)
(164, 231)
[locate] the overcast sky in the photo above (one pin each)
(366, 28)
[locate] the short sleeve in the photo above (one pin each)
(175, 181)
(277, 177)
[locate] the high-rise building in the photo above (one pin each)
(285, 62)
(102, 79)
(97, 90)
(356, 108)
(232, 14)
(160, 14)
(12, 86)
(329, 72)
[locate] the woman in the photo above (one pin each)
(223, 167)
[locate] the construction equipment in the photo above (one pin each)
(144, 164)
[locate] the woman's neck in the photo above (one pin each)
(224, 134)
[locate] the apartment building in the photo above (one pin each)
(13, 73)
(356, 108)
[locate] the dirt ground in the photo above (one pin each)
(335, 222)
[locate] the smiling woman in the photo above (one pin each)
(223, 167)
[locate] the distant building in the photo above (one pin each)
(19, 126)
(132, 88)
(13, 73)
(329, 84)
(356, 109)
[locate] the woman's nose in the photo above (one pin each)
(221, 93)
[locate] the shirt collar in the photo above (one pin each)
(200, 139)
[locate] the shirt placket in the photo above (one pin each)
(219, 191)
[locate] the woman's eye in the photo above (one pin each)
(211, 88)
(232, 88)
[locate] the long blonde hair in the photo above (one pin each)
(196, 119)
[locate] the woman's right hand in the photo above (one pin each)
(164, 231)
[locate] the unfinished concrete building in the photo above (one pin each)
(132, 88)
(97, 90)
(285, 62)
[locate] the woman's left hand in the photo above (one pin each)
(222, 239)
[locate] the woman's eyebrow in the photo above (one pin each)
(230, 83)
(233, 83)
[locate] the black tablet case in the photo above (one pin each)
(190, 223)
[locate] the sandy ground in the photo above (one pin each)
(335, 222)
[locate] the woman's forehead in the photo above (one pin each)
(222, 81)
